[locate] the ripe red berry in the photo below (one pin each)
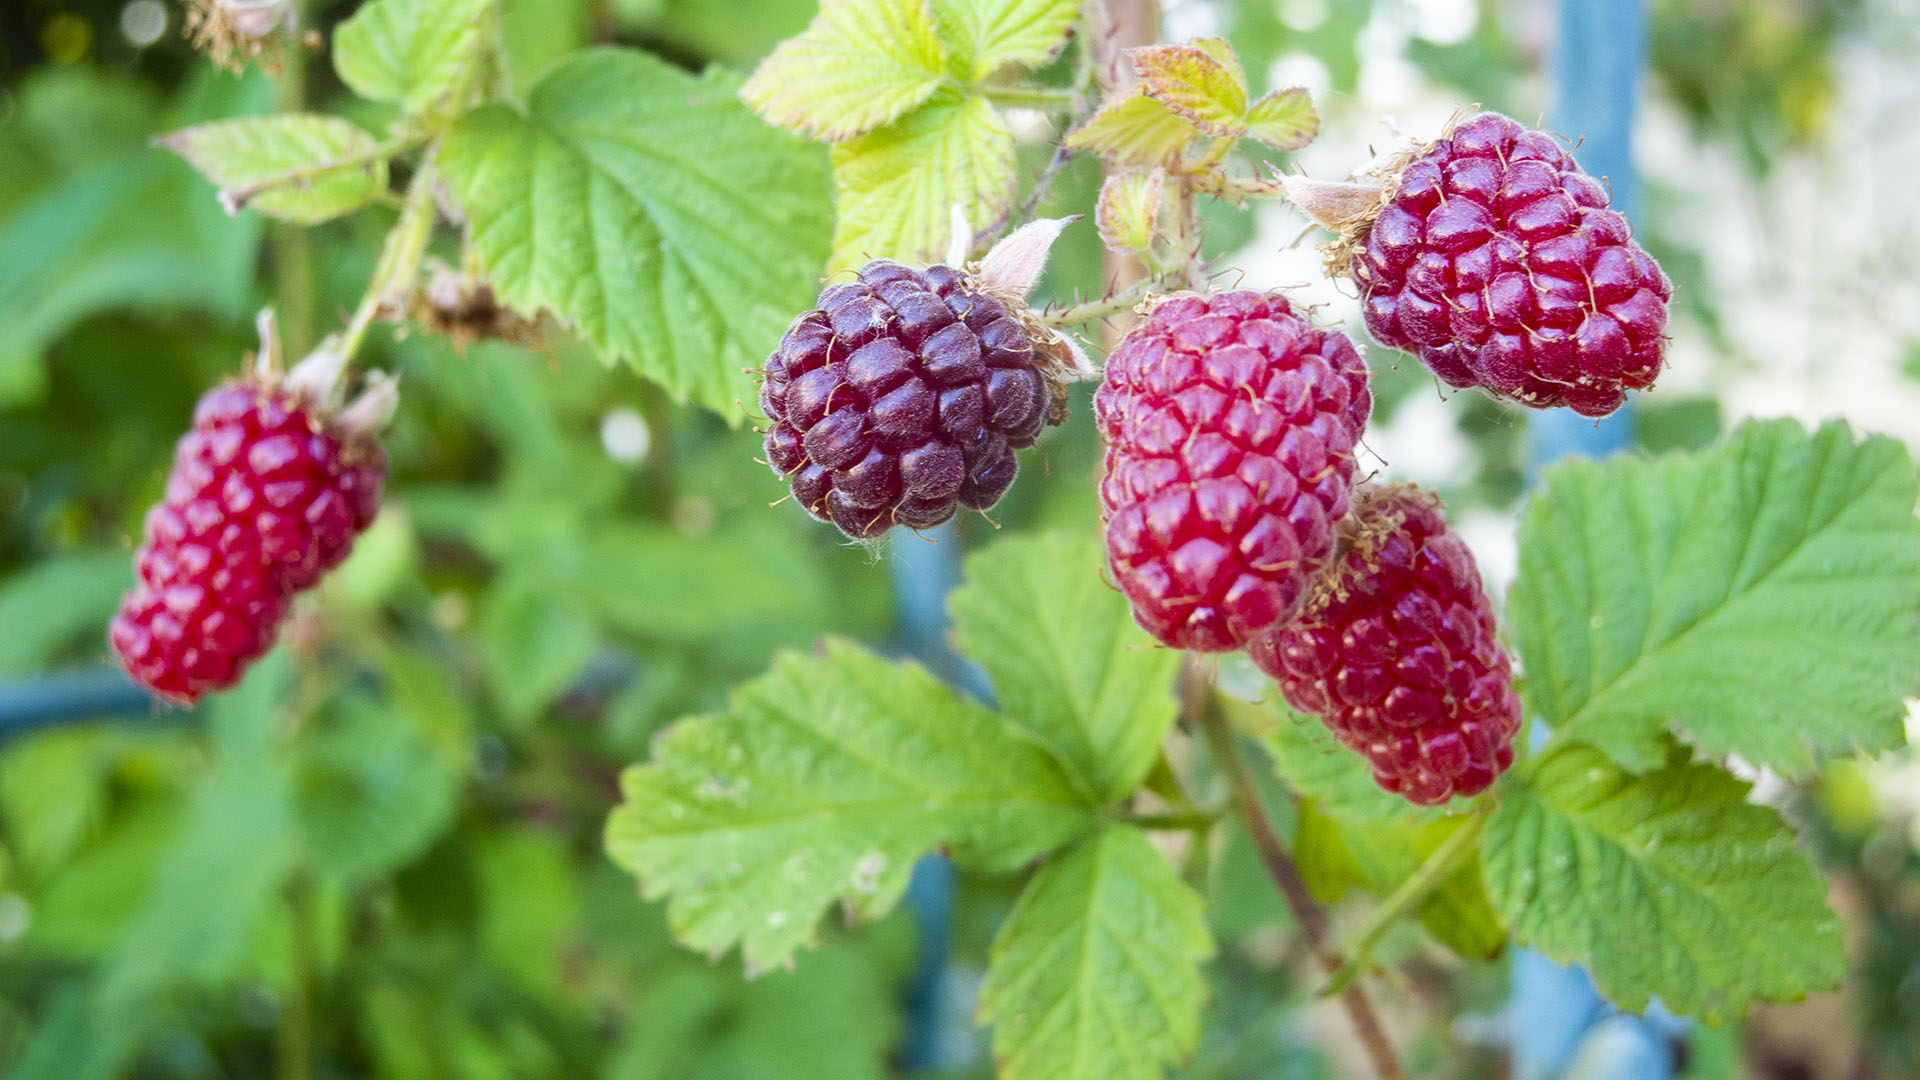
(1230, 425)
(1398, 652)
(266, 495)
(1496, 260)
(901, 398)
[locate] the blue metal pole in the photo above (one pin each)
(50, 700)
(923, 574)
(1561, 1026)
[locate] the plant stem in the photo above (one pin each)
(236, 199)
(399, 263)
(1445, 859)
(1280, 867)
(1041, 97)
(1182, 822)
(293, 1049)
(1125, 300)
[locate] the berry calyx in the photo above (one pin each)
(1399, 654)
(1493, 257)
(1230, 424)
(267, 493)
(903, 396)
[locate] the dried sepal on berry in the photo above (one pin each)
(235, 33)
(1398, 652)
(464, 309)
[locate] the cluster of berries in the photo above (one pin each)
(1231, 515)
(267, 494)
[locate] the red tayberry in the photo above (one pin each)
(1399, 653)
(901, 398)
(1230, 424)
(266, 495)
(1497, 261)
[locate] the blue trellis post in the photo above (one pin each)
(1560, 1025)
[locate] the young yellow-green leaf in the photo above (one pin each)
(898, 186)
(1135, 130)
(236, 153)
(413, 53)
(1762, 597)
(822, 782)
(1200, 81)
(983, 36)
(649, 209)
(1338, 854)
(1284, 119)
(1096, 974)
(859, 65)
(1667, 884)
(1068, 662)
(1128, 213)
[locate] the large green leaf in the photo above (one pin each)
(899, 185)
(1763, 597)
(236, 153)
(1096, 974)
(860, 64)
(1067, 660)
(983, 36)
(823, 781)
(649, 209)
(1667, 884)
(413, 53)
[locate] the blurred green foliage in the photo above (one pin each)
(382, 855)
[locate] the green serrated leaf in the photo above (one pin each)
(1763, 597)
(898, 186)
(1096, 973)
(416, 54)
(859, 65)
(1135, 130)
(236, 153)
(1200, 81)
(1667, 884)
(1128, 213)
(1284, 119)
(1068, 662)
(983, 36)
(652, 211)
(822, 782)
(1338, 853)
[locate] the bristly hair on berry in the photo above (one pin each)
(1492, 256)
(904, 394)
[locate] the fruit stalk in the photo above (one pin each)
(1293, 888)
